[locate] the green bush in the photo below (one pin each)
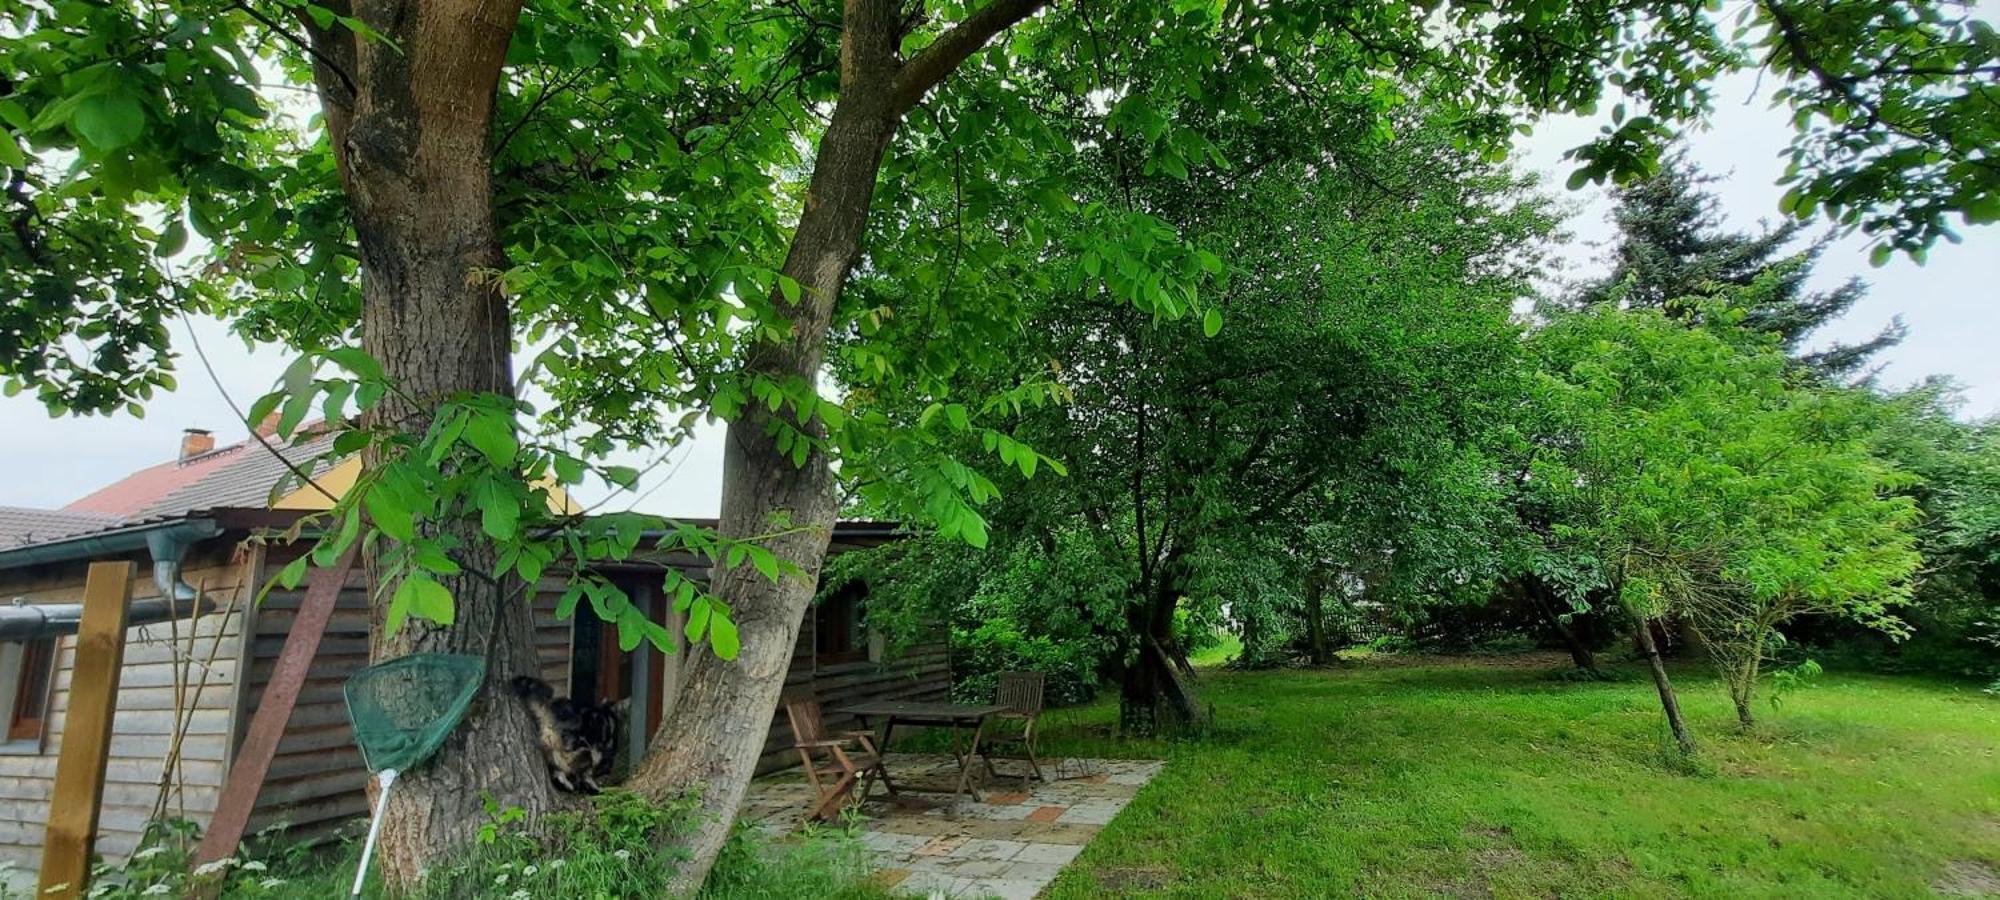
(980, 654)
(611, 849)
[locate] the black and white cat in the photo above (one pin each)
(579, 740)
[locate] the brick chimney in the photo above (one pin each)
(269, 427)
(195, 442)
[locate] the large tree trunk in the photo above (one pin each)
(1669, 703)
(1316, 648)
(1156, 696)
(710, 743)
(712, 740)
(410, 119)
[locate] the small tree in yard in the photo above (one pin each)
(447, 180)
(1692, 480)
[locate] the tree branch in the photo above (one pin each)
(932, 64)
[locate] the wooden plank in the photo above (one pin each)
(86, 746)
(253, 760)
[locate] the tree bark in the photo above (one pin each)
(709, 744)
(1551, 606)
(1316, 648)
(1155, 696)
(1669, 703)
(1743, 684)
(410, 120)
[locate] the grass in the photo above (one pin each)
(1490, 778)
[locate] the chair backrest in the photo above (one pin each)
(803, 711)
(1020, 692)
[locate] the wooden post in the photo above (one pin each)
(86, 739)
(253, 760)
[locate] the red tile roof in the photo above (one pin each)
(129, 497)
(239, 475)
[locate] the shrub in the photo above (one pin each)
(980, 654)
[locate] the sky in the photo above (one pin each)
(1947, 303)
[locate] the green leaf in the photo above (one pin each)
(1211, 322)
(499, 510)
(722, 636)
(293, 573)
(357, 361)
(432, 558)
(492, 434)
(109, 120)
(422, 597)
(10, 151)
(389, 514)
(172, 240)
(764, 561)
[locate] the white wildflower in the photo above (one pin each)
(211, 868)
(520, 894)
(270, 883)
(555, 864)
(500, 879)
(255, 865)
(149, 852)
(623, 854)
(530, 871)
(158, 890)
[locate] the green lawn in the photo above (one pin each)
(1489, 778)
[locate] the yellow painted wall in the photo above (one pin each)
(340, 479)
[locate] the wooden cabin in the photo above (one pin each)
(191, 680)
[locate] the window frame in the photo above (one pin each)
(29, 684)
(854, 625)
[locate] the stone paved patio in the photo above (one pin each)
(1010, 845)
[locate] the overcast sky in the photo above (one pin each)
(1947, 303)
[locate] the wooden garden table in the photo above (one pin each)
(955, 716)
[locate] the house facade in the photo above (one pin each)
(200, 651)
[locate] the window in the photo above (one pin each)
(839, 634)
(32, 666)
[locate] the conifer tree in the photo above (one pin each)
(1674, 253)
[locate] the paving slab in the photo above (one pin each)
(1011, 844)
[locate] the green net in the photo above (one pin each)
(403, 708)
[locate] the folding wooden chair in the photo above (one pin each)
(1014, 736)
(833, 770)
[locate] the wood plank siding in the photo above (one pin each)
(316, 781)
(146, 716)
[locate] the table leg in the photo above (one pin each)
(965, 787)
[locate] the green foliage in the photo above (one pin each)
(1674, 255)
(472, 464)
(647, 164)
(612, 849)
(619, 847)
(162, 864)
(1684, 476)
(1028, 607)
(1954, 613)
(1367, 340)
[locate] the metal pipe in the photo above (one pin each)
(166, 542)
(26, 620)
